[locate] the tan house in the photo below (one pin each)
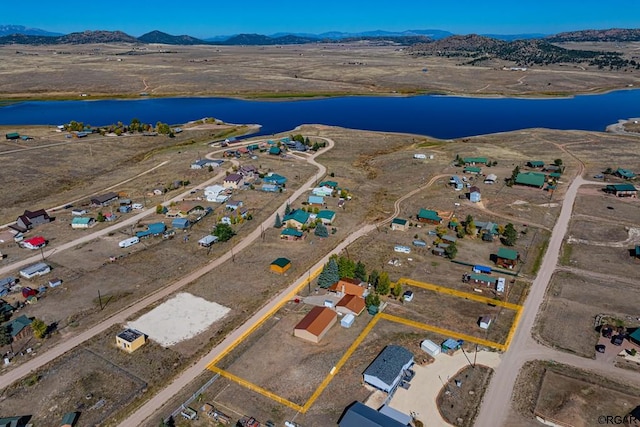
(351, 304)
(234, 181)
(399, 224)
(315, 324)
(130, 340)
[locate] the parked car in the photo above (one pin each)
(617, 340)
(407, 296)
(600, 348)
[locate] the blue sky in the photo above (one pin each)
(210, 18)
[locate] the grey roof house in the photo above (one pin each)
(360, 415)
(385, 372)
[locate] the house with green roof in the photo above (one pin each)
(621, 190)
(280, 265)
(296, 219)
(624, 173)
(507, 258)
(637, 251)
(555, 175)
(535, 164)
(19, 327)
(475, 160)
(531, 179)
(399, 224)
(69, 419)
(331, 184)
(326, 216)
(82, 222)
(275, 151)
(291, 234)
(473, 170)
(429, 216)
(634, 336)
(482, 279)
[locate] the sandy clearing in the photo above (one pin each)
(421, 397)
(195, 315)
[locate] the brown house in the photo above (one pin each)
(351, 304)
(346, 286)
(29, 219)
(315, 324)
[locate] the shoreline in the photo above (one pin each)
(276, 97)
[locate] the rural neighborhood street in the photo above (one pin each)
(523, 347)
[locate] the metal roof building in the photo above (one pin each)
(385, 372)
(360, 415)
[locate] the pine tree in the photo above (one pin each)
(451, 251)
(384, 284)
(510, 235)
(396, 291)
(360, 271)
(321, 230)
(287, 210)
(278, 222)
(469, 226)
(329, 274)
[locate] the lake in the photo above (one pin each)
(438, 116)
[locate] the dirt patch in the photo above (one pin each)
(461, 396)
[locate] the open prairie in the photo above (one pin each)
(108, 70)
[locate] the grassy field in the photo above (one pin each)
(278, 71)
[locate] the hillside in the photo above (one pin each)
(522, 52)
(611, 35)
(8, 30)
(164, 38)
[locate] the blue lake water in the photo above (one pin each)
(437, 116)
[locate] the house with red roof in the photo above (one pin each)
(36, 242)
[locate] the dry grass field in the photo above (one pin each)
(568, 395)
(573, 301)
(298, 70)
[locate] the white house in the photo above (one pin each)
(490, 179)
(34, 270)
(214, 193)
(323, 191)
(207, 240)
(386, 371)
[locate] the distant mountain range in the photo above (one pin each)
(18, 34)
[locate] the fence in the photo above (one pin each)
(194, 396)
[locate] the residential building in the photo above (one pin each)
(316, 200)
(275, 151)
(386, 371)
(34, 270)
(208, 240)
(234, 204)
(274, 178)
(296, 219)
(130, 340)
(399, 224)
(181, 223)
(538, 164)
(280, 265)
(474, 194)
(624, 173)
(351, 304)
(153, 229)
(622, 190)
(82, 222)
(429, 216)
(233, 181)
(490, 179)
(360, 415)
(291, 234)
(205, 163)
(69, 419)
(475, 160)
(347, 286)
(331, 184)
(315, 324)
(79, 212)
(482, 279)
(215, 193)
(19, 327)
(104, 199)
(487, 227)
(531, 179)
(326, 216)
(248, 171)
(472, 170)
(507, 258)
(270, 188)
(35, 242)
(12, 135)
(30, 219)
(322, 191)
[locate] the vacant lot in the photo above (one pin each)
(572, 303)
(458, 404)
(339, 68)
(569, 395)
(595, 205)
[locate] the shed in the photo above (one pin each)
(386, 371)
(207, 240)
(347, 321)
(430, 347)
(180, 223)
(130, 340)
(484, 322)
(69, 419)
(280, 265)
(451, 345)
(490, 179)
(393, 413)
(481, 269)
(399, 224)
(500, 285)
(270, 188)
(315, 324)
(55, 282)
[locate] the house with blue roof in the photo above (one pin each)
(180, 223)
(316, 200)
(274, 178)
(386, 371)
